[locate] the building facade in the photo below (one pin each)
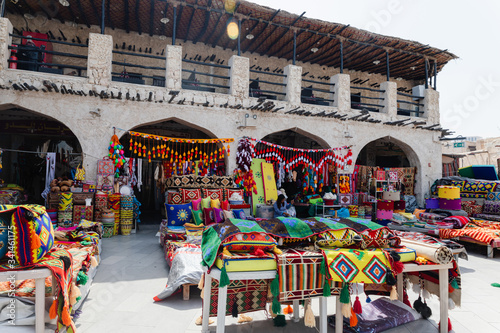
(94, 104)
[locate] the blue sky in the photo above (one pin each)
(469, 86)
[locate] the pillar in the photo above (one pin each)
(431, 106)
(99, 59)
(173, 74)
(239, 76)
(5, 41)
(293, 81)
(341, 91)
(390, 96)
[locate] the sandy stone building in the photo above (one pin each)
(170, 67)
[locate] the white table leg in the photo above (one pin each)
(40, 305)
(489, 251)
(399, 278)
(206, 304)
(296, 316)
(221, 309)
(323, 320)
(339, 319)
(443, 299)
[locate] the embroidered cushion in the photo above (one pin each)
(33, 234)
(228, 214)
(205, 181)
(459, 184)
(196, 204)
(215, 203)
(224, 181)
(473, 195)
(208, 216)
(212, 193)
(225, 205)
(174, 198)
(486, 186)
(491, 207)
(183, 181)
(249, 242)
(206, 202)
(190, 195)
(198, 217)
(230, 191)
(218, 215)
(177, 215)
(239, 214)
(338, 238)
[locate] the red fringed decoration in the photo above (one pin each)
(288, 310)
(397, 267)
(357, 306)
(449, 325)
(259, 253)
(406, 300)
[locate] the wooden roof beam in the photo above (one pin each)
(208, 13)
(82, 13)
(137, 18)
(329, 40)
(286, 55)
(108, 14)
(224, 30)
(284, 33)
(151, 17)
(267, 24)
(96, 13)
(214, 28)
(190, 21)
(164, 25)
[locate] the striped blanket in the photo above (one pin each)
(482, 231)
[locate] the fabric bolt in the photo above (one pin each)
(438, 254)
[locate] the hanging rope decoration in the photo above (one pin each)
(179, 150)
(116, 153)
(315, 158)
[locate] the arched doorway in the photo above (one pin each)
(26, 137)
(151, 193)
(296, 138)
(390, 154)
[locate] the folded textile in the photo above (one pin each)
(430, 217)
(479, 230)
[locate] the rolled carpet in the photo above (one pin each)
(435, 253)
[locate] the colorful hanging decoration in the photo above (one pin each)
(292, 157)
(244, 154)
(116, 153)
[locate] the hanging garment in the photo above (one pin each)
(139, 174)
(50, 173)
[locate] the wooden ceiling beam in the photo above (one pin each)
(137, 18)
(224, 30)
(320, 46)
(257, 37)
(203, 30)
(108, 15)
(127, 15)
(190, 22)
(207, 40)
(82, 13)
(151, 17)
(164, 25)
(96, 13)
(284, 33)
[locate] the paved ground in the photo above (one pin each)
(133, 271)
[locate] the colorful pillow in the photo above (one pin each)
(215, 203)
(228, 214)
(196, 204)
(486, 186)
(32, 231)
(473, 195)
(174, 198)
(250, 242)
(214, 194)
(190, 195)
(225, 205)
(476, 187)
(198, 217)
(208, 216)
(177, 215)
(338, 238)
(218, 215)
(206, 203)
(491, 207)
(229, 192)
(239, 214)
(459, 184)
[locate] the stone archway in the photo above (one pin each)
(296, 138)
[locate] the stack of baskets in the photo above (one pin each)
(108, 223)
(114, 205)
(126, 214)
(65, 214)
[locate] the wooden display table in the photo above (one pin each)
(39, 275)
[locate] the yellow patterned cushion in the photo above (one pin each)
(337, 238)
(245, 262)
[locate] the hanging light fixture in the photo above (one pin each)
(314, 50)
(65, 3)
(28, 16)
(376, 62)
(232, 30)
(164, 20)
(250, 36)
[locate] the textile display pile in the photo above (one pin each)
(316, 257)
(68, 254)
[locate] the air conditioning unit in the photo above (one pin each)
(418, 91)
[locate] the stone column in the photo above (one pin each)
(239, 76)
(390, 97)
(341, 91)
(431, 106)
(5, 41)
(99, 59)
(293, 81)
(173, 74)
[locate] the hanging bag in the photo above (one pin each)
(80, 173)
